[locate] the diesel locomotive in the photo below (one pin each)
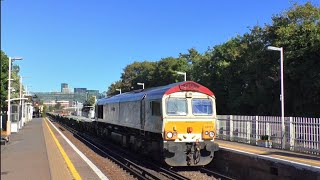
(175, 123)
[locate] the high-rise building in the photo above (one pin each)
(79, 95)
(80, 90)
(64, 86)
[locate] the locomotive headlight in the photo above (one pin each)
(211, 134)
(169, 135)
(206, 132)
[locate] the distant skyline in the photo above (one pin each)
(89, 43)
(71, 89)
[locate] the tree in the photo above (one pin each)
(88, 104)
(90, 101)
(298, 32)
(15, 83)
(4, 80)
(165, 72)
(112, 88)
(51, 108)
(57, 106)
(137, 72)
(243, 75)
(45, 110)
(193, 58)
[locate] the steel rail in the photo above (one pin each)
(126, 164)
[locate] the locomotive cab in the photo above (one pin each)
(189, 127)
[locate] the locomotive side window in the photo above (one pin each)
(201, 107)
(100, 111)
(155, 106)
(177, 106)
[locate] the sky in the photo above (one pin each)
(89, 43)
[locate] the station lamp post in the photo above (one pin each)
(118, 90)
(272, 48)
(141, 84)
(21, 103)
(9, 94)
(183, 73)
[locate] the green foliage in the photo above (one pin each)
(137, 72)
(90, 101)
(152, 74)
(50, 109)
(58, 106)
(112, 89)
(244, 76)
(45, 110)
(15, 83)
(4, 80)
(165, 72)
(298, 32)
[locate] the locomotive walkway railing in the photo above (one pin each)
(301, 134)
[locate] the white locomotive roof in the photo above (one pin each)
(154, 93)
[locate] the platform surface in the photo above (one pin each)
(32, 153)
(295, 158)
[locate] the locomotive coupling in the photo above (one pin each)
(193, 153)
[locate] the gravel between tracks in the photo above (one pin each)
(110, 169)
(113, 171)
(196, 175)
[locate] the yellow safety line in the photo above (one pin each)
(73, 170)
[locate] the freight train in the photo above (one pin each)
(176, 123)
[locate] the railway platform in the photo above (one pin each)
(38, 151)
(244, 161)
(299, 160)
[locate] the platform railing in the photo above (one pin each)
(301, 134)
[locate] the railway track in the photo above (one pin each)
(128, 165)
(215, 174)
(167, 172)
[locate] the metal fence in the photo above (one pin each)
(301, 134)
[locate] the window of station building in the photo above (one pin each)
(100, 111)
(155, 108)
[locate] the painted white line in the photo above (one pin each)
(299, 165)
(92, 166)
